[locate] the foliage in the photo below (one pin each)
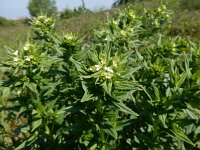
(68, 13)
(36, 7)
(131, 88)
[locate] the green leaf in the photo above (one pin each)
(163, 118)
(36, 124)
(32, 138)
(5, 93)
(156, 91)
(39, 106)
(190, 114)
(124, 123)
(86, 97)
(51, 104)
(59, 119)
(181, 80)
(93, 147)
(78, 65)
(180, 135)
(122, 107)
(32, 87)
(107, 86)
(21, 146)
(49, 91)
(197, 131)
(112, 132)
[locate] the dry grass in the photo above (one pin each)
(12, 36)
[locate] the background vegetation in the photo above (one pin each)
(185, 21)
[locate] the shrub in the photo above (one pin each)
(132, 88)
(4, 22)
(66, 14)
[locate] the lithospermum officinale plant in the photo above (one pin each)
(132, 88)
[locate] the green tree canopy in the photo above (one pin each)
(119, 2)
(37, 7)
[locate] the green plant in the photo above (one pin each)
(131, 88)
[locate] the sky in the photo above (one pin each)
(12, 9)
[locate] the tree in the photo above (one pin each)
(119, 2)
(36, 7)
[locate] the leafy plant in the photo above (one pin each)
(131, 88)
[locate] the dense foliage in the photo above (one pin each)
(131, 88)
(36, 7)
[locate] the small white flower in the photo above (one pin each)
(163, 7)
(16, 53)
(19, 92)
(108, 69)
(42, 17)
(27, 46)
(103, 62)
(108, 75)
(159, 9)
(123, 33)
(16, 59)
(97, 67)
(156, 23)
(115, 63)
(27, 58)
(115, 23)
(47, 19)
(68, 37)
(132, 15)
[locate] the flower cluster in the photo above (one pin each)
(42, 25)
(106, 68)
(24, 54)
(69, 40)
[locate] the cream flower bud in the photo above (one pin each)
(16, 59)
(97, 67)
(26, 47)
(27, 58)
(108, 69)
(16, 53)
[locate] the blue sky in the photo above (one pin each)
(18, 8)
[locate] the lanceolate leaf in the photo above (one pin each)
(5, 93)
(32, 87)
(180, 135)
(122, 107)
(36, 124)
